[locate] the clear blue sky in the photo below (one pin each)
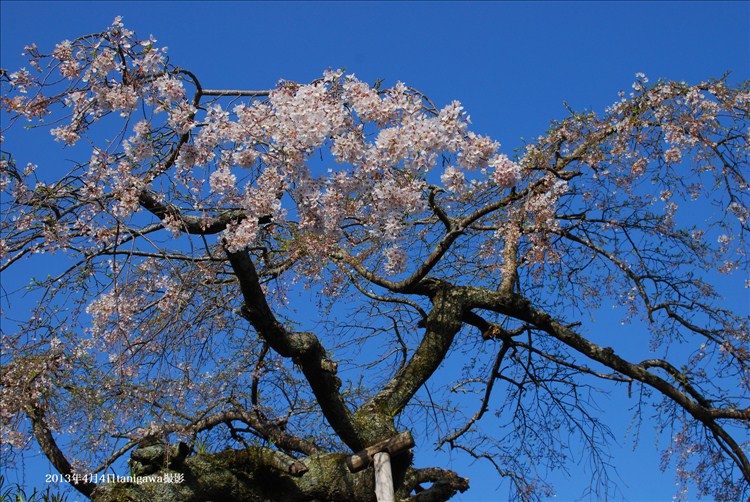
(512, 65)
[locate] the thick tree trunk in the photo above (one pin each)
(256, 474)
(251, 475)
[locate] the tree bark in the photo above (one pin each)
(303, 348)
(256, 475)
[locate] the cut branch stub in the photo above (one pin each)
(288, 464)
(394, 446)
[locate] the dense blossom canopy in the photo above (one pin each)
(200, 226)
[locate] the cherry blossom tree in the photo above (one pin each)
(244, 287)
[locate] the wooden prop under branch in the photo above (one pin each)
(395, 445)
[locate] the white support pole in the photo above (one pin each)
(383, 477)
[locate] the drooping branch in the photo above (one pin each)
(506, 345)
(522, 309)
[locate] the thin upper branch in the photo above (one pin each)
(235, 92)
